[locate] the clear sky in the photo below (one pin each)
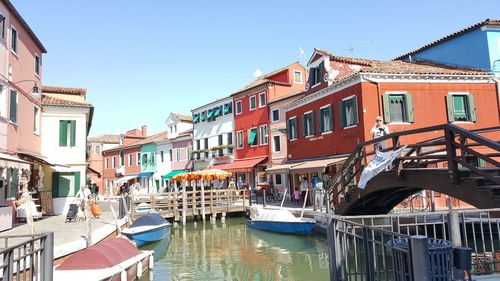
(141, 60)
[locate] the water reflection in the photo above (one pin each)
(231, 251)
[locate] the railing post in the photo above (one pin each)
(249, 197)
(333, 251)
(419, 253)
(48, 257)
(368, 255)
(449, 137)
(314, 199)
(8, 259)
(456, 238)
(264, 197)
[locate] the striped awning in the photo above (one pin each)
(173, 173)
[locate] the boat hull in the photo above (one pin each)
(301, 228)
(149, 236)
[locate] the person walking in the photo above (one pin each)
(379, 130)
(304, 186)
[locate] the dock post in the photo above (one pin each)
(419, 252)
(184, 203)
(223, 217)
(48, 257)
(202, 201)
(264, 197)
(456, 238)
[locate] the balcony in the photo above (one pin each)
(222, 151)
(120, 170)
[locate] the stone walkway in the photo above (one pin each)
(72, 236)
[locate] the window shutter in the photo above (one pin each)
(63, 133)
(342, 114)
(13, 106)
(410, 117)
(55, 184)
(304, 132)
(313, 131)
(77, 183)
(355, 110)
(320, 120)
(73, 133)
(472, 107)
(330, 115)
(320, 72)
(449, 106)
(387, 110)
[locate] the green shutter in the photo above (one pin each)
(410, 117)
(320, 120)
(63, 133)
(355, 110)
(13, 106)
(77, 183)
(304, 132)
(55, 184)
(253, 135)
(289, 129)
(195, 119)
(320, 72)
(313, 127)
(73, 133)
(342, 114)
(387, 109)
(472, 108)
(449, 106)
(330, 115)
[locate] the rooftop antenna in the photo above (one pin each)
(302, 54)
(370, 45)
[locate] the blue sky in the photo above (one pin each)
(141, 60)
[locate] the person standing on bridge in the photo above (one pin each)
(379, 130)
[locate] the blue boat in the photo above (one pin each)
(147, 229)
(303, 227)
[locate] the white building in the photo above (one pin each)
(213, 139)
(66, 120)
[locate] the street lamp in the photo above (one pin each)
(35, 92)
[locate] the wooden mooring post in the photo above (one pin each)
(184, 203)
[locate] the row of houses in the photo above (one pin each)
(301, 121)
(43, 129)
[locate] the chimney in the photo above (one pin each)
(144, 129)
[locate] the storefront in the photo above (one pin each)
(146, 183)
(172, 185)
(251, 172)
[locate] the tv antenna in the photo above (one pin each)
(302, 54)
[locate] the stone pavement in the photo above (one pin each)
(72, 236)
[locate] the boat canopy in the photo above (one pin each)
(149, 219)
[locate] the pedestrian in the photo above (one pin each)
(96, 188)
(84, 196)
(304, 186)
(231, 184)
(240, 183)
(379, 130)
(296, 196)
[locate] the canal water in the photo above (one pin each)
(233, 251)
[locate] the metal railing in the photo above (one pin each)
(27, 257)
(363, 252)
(475, 229)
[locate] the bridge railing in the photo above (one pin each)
(454, 148)
(27, 257)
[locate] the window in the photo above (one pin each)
(2, 26)
(252, 137)
(138, 158)
(239, 139)
(228, 108)
(113, 161)
(171, 155)
(229, 138)
(36, 120)
(67, 133)
(292, 128)
(130, 159)
(315, 75)
(13, 40)
(106, 163)
(210, 115)
(261, 173)
(122, 159)
(220, 141)
(263, 135)
(275, 115)
(278, 180)
(461, 107)
(189, 150)
(196, 118)
(178, 154)
(348, 110)
(297, 76)
(325, 119)
(162, 156)
(205, 141)
(398, 107)
(238, 107)
(308, 124)
(97, 149)
(276, 144)
(37, 64)
(203, 116)
(253, 102)
(3, 102)
(218, 111)
(262, 99)
(145, 159)
(13, 106)
(198, 146)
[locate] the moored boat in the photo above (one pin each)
(281, 221)
(117, 259)
(147, 229)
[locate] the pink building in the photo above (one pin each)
(181, 147)
(20, 110)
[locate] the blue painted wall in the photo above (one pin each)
(469, 49)
(494, 46)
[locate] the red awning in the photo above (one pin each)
(240, 166)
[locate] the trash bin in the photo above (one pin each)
(440, 258)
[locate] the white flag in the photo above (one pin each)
(379, 162)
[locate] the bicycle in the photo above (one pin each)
(274, 195)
